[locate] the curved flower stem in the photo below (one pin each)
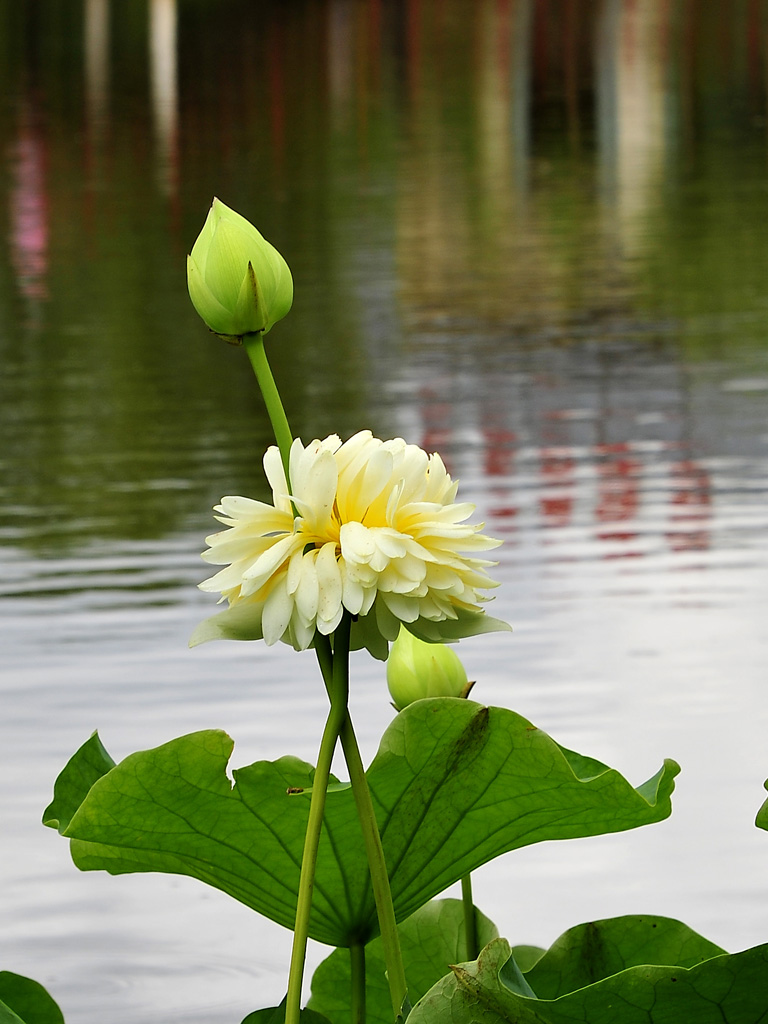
(382, 894)
(254, 347)
(357, 964)
(338, 692)
(470, 918)
(377, 866)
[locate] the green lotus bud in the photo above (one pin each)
(416, 669)
(238, 282)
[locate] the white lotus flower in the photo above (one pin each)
(369, 526)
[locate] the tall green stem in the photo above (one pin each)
(470, 918)
(338, 692)
(382, 893)
(377, 866)
(254, 347)
(357, 965)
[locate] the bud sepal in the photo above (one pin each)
(417, 669)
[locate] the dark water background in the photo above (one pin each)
(528, 234)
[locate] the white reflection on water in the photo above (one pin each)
(164, 86)
(96, 62)
(635, 573)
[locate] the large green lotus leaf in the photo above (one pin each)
(431, 940)
(454, 784)
(591, 952)
(726, 989)
(24, 1001)
(174, 809)
(7, 1016)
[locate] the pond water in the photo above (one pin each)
(528, 235)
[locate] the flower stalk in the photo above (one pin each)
(382, 893)
(254, 347)
(338, 691)
(377, 866)
(470, 918)
(357, 999)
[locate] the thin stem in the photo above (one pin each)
(357, 964)
(338, 692)
(377, 866)
(470, 918)
(382, 893)
(254, 347)
(324, 658)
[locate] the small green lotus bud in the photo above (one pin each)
(238, 282)
(416, 669)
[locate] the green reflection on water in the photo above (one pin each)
(423, 167)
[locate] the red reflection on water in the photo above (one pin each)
(605, 481)
(437, 418)
(498, 453)
(498, 461)
(557, 472)
(691, 502)
(618, 496)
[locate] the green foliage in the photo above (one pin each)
(600, 974)
(74, 783)
(243, 622)
(590, 952)
(24, 1001)
(276, 1015)
(454, 785)
(431, 940)
(762, 815)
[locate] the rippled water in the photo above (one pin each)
(542, 255)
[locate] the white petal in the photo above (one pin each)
(357, 543)
(317, 484)
(303, 633)
(275, 473)
(234, 505)
(379, 559)
(411, 470)
(370, 597)
(329, 580)
(391, 543)
(327, 626)
(388, 624)
(269, 562)
(351, 449)
(332, 443)
(370, 483)
(308, 592)
(236, 547)
(295, 568)
(406, 609)
(278, 609)
(352, 593)
(226, 579)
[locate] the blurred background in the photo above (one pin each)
(530, 234)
